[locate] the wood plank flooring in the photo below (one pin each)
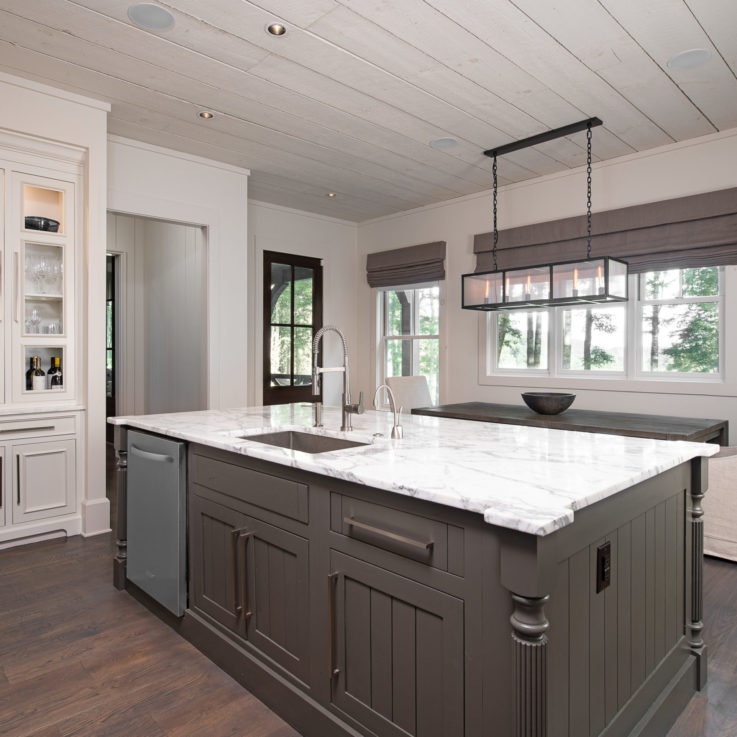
(79, 658)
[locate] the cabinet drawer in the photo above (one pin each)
(423, 539)
(38, 426)
(283, 496)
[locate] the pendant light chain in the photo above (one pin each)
(588, 191)
(496, 232)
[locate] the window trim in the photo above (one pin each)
(723, 383)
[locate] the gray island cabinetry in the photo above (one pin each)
(352, 605)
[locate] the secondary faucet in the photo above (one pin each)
(397, 431)
(347, 407)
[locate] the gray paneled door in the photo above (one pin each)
(252, 577)
(398, 657)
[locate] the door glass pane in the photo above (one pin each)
(303, 278)
(302, 356)
(281, 293)
(593, 338)
(43, 289)
(522, 340)
(43, 209)
(681, 338)
(281, 356)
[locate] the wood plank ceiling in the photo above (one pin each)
(350, 98)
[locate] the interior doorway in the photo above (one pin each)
(159, 342)
(110, 342)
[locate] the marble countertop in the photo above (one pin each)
(525, 478)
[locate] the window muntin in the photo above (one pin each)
(682, 306)
(410, 336)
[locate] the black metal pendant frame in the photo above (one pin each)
(578, 282)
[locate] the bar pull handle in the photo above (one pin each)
(1, 482)
(243, 538)
(17, 476)
(35, 428)
(332, 584)
(422, 545)
(156, 457)
(237, 603)
(1, 286)
(17, 288)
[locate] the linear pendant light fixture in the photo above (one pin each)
(590, 280)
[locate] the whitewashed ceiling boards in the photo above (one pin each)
(349, 99)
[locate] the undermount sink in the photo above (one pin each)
(302, 441)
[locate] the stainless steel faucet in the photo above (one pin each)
(347, 407)
(397, 431)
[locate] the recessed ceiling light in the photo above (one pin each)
(689, 59)
(332, 194)
(206, 114)
(151, 17)
(276, 29)
(444, 143)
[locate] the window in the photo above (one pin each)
(673, 318)
(679, 321)
(292, 315)
(410, 333)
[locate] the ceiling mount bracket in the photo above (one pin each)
(565, 130)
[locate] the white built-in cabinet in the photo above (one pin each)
(40, 184)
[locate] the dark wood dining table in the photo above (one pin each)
(660, 427)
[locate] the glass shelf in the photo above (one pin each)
(43, 209)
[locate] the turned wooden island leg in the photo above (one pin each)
(121, 522)
(530, 642)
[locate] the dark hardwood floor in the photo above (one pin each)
(79, 658)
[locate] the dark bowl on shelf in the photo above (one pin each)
(34, 222)
(548, 403)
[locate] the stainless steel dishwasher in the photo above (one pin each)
(157, 518)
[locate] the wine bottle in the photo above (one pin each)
(29, 373)
(38, 377)
(54, 371)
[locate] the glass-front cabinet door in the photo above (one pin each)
(43, 288)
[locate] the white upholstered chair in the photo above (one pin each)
(720, 506)
(410, 391)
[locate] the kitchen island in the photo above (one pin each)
(469, 579)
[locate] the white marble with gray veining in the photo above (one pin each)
(525, 478)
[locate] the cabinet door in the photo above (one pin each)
(43, 480)
(3, 485)
(277, 606)
(396, 652)
(214, 567)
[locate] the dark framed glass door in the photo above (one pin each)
(292, 316)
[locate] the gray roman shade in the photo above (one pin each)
(410, 265)
(700, 230)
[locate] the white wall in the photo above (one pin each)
(159, 183)
(45, 112)
(162, 319)
(700, 165)
(273, 228)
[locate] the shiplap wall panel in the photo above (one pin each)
(664, 26)
(350, 98)
(625, 586)
(719, 19)
(621, 64)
